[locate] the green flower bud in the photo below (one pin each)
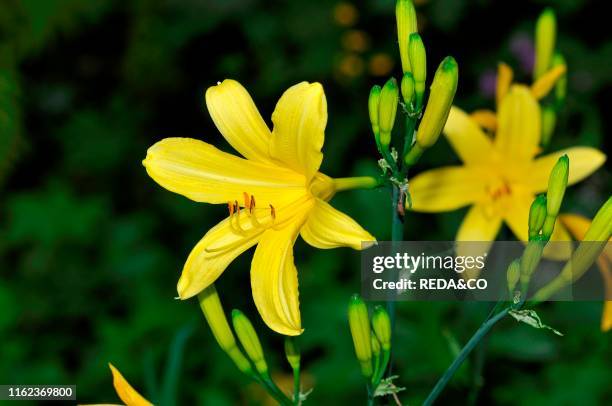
(382, 327)
(418, 62)
(375, 345)
(373, 101)
(545, 36)
(442, 92)
(387, 108)
(561, 86)
(530, 260)
(292, 352)
(513, 274)
(407, 87)
(215, 317)
(537, 215)
(549, 120)
(405, 16)
(360, 330)
(594, 242)
(557, 183)
(249, 340)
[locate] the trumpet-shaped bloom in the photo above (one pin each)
(578, 226)
(128, 395)
(501, 175)
(274, 192)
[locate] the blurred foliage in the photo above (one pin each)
(91, 248)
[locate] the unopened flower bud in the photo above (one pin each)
(249, 340)
(557, 183)
(537, 215)
(292, 352)
(418, 62)
(359, 324)
(375, 345)
(373, 101)
(407, 87)
(513, 274)
(387, 108)
(442, 92)
(601, 226)
(530, 260)
(215, 317)
(405, 16)
(561, 86)
(381, 323)
(545, 36)
(549, 120)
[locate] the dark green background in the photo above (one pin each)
(91, 248)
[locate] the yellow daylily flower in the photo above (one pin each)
(578, 226)
(499, 177)
(128, 395)
(273, 194)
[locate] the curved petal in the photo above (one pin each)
(274, 281)
(583, 162)
(237, 118)
(299, 128)
(504, 80)
(466, 137)
(447, 188)
(203, 173)
(547, 81)
(125, 391)
(214, 252)
(518, 130)
(486, 119)
(476, 234)
(327, 227)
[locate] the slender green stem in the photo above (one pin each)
(296, 386)
(272, 389)
(358, 182)
(465, 351)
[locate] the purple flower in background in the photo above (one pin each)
(521, 46)
(487, 83)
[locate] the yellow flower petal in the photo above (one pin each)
(545, 83)
(237, 118)
(504, 80)
(486, 119)
(126, 393)
(583, 162)
(606, 317)
(215, 251)
(467, 139)
(447, 188)
(577, 225)
(274, 281)
(203, 173)
(476, 234)
(518, 126)
(299, 128)
(327, 227)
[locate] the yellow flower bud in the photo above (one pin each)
(292, 352)
(601, 226)
(382, 327)
(549, 120)
(405, 16)
(545, 36)
(359, 324)
(530, 260)
(441, 96)
(249, 340)
(557, 183)
(418, 62)
(215, 317)
(375, 345)
(537, 215)
(513, 274)
(407, 87)
(387, 108)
